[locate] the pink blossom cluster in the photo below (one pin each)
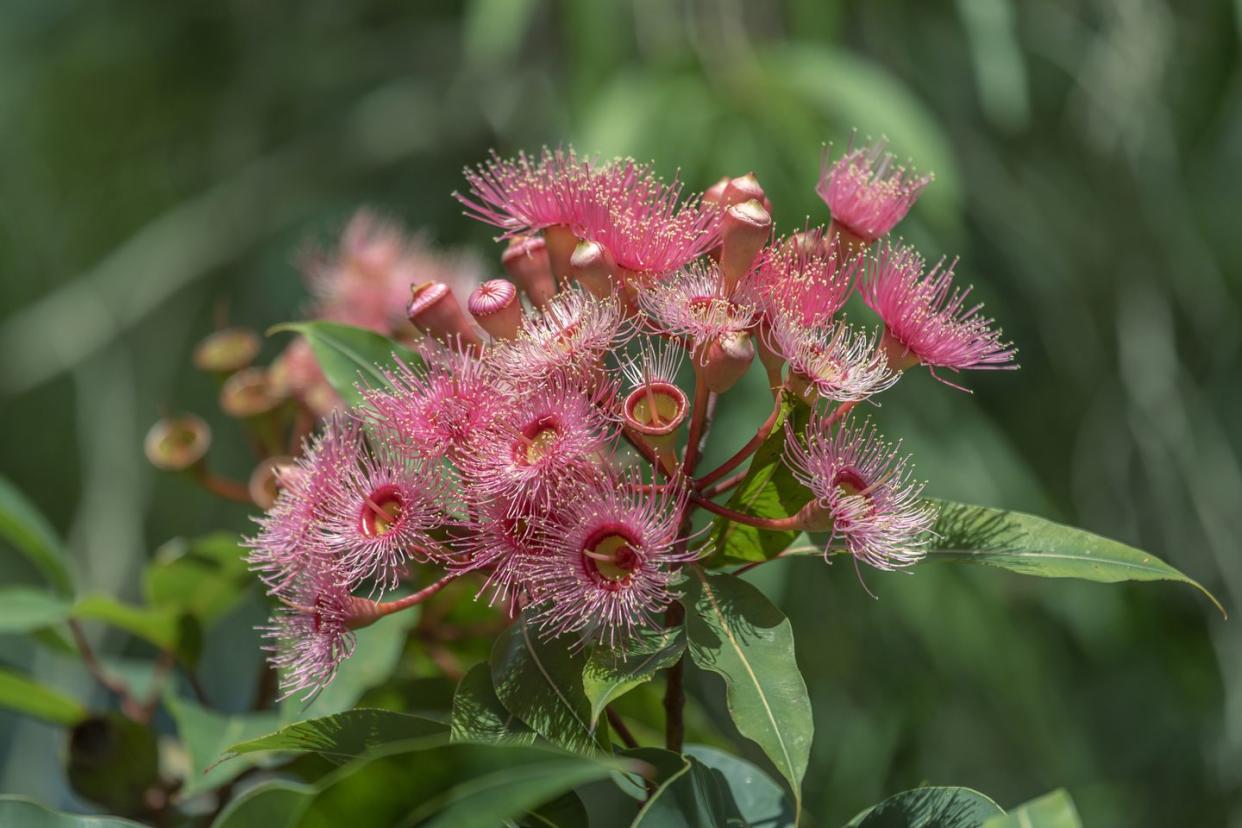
(545, 441)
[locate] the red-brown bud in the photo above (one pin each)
(495, 306)
(747, 227)
(526, 261)
(436, 312)
(593, 267)
(725, 359)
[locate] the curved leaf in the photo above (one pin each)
(1034, 546)
(24, 526)
(687, 793)
(478, 715)
(274, 804)
(610, 673)
(23, 609)
(203, 577)
(343, 736)
(760, 800)
(1053, 810)
(540, 682)
(348, 355)
(30, 698)
(929, 808)
(164, 627)
(20, 811)
(734, 630)
(208, 734)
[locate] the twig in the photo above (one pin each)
(745, 451)
(622, 730)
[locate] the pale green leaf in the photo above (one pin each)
(30, 698)
(343, 736)
(22, 525)
(1053, 810)
(20, 812)
(931, 807)
(23, 609)
(274, 804)
(610, 672)
(350, 356)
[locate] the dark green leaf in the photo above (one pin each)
(761, 801)
(22, 525)
(207, 735)
(611, 673)
(343, 736)
(688, 794)
(114, 761)
(770, 490)
(566, 811)
(274, 804)
(164, 627)
(204, 577)
(540, 682)
(451, 786)
(734, 630)
(349, 355)
(21, 812)
(1033, 546)
(478, 715)
(23, 609)
(28, 697)
(929, 808)
(1053, 810)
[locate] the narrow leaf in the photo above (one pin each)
(688, 793)
(1053, 810)
(540, 682)
(203, 577)
(611, 673)
(208, 734)
(478, 715)
(23, 609)
(929, 808)
(25, 527)
(164, 627)
(343, 736)
(349, 355)
(1034, 546)
(20, 811)
(734, 630)
(30, 698)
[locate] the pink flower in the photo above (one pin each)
(800, 277)
(864, 495)
(609, 564)
(692, 303)
(288, 540)
(501, 539)
(925, 321)
(525, 195)
(545, 440)
(312, 633)
(569, 337)
(835, 361)
(435, 408)
(866, 192)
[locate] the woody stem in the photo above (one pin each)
(747, 450)
(776, 524)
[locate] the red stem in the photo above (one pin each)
(389, 607)
(697, 420)
(726, 484)
(223, 487)
(745, 451)
(776, 524)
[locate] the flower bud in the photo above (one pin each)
(773, 363)
(177, 443)
(593, 268)
(747, 227)
(560, 241)
(724, 360)
(436, 312)
(226, 351)
(495, 306)
(526, 260)
(266, 480)
(743, 188)
(656, 409)
(715, 193)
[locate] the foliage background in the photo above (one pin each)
(161, 161)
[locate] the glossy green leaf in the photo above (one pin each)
(929, 808)
(1053, 810)
(23, 609)
(25, 527)
(349, 356)
(21, 812)
(770, 490)
(343, 736)
(30, 698)
(1034, 546)
(540, 682)
(274, 804)
(760, 800)
(207, 735)
(450, 786)
(204, 577)
(478, 715)
(734, 630)
(566, 811)
(687, 794)
(610, 673)
(114, 761)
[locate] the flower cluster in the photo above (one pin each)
(545, 442)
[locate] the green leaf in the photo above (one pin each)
(451, 785)
(23, 609)
(163, 627)
(688, 793)
(114, 761)
(204, 577)
(343, 736)
(274, 804)
(611, 673)
(478, 715)
(761, 801)
(30, 698)
(734, 630)
(349, 355)
(929, 808)
(1053, 810)
(207, 735)
(540, 682)
(1034, 546)
(770, 490)
(566, 811)
(22, 525)
(26, 813)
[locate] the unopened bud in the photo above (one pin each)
(226, 351)
(773, 363)
(743, 188)
(715, 193)
(526, 261)
(177, 443)
(436, 312)
(725, 359)
(593, 267)
(656, 410)
(561, 242)
(267, 480)
(747, 227)
(495, 306)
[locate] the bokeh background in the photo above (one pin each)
(162, 164)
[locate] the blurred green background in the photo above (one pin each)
(160, 162)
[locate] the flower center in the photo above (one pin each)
(380, 511)
(610, 556)
(850, 482)
(536, 440)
